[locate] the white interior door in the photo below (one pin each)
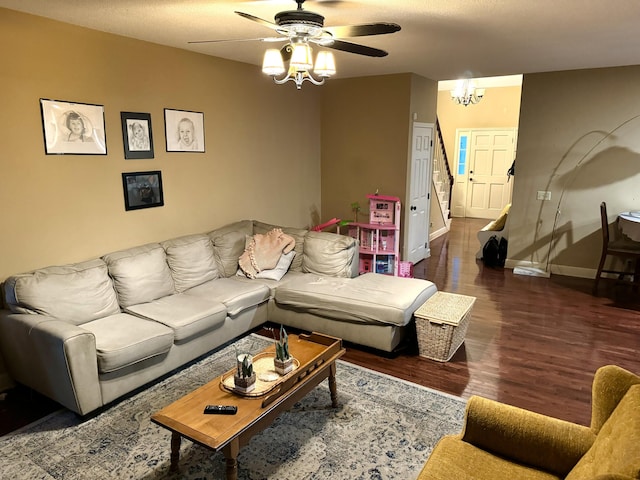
(483, 158)
(417, 212)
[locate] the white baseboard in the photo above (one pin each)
(553, 269)
(438, 233)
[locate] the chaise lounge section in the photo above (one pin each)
(88, 333)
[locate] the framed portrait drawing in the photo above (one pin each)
(73, 128)
(137, 136)
(184, 130)
(142, 190)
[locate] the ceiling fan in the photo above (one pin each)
(299, 28)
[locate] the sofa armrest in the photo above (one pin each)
(610, 384)
(54, 357)
(526, 437)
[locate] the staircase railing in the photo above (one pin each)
(441, 166)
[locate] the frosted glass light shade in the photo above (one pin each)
(272, 62)
(325, 64)
(301, 57)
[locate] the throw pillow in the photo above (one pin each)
(276, 273)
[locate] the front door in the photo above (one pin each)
(417, 211)
(484, 156)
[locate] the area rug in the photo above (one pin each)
(384, 428)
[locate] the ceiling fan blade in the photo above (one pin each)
(355, 48)
(259, 20)
(268, 40)
(363, 30)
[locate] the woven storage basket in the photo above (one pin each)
(441, 324)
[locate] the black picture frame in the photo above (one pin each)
(137, 135)
(142, 190)
(176, 122)
(73, 128)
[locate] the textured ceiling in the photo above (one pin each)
(440, 39)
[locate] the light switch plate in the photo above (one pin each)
(543, 195)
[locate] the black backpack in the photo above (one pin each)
(494, 252)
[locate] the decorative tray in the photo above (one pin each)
(266, 376)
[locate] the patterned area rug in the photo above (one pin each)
(384, 428)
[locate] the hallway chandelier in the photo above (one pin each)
(466, 93)
(299, 54)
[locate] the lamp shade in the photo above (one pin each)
(301, 56)
(325, 64)
(272, 62)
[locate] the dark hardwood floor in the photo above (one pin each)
(532, 342)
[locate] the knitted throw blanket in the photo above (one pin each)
(264, 251)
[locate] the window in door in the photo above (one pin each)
(462, 155)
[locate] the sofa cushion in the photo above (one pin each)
(186, 315)
(298, 235)
(141, 274)
(271, 284)
(454, 459)
(616, 450)
(124, 339)
(236, 296)
(76, 293)
(329, 254)
(191, 260)
(371, 298)
(228, 245)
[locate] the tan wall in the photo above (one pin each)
(580, 139)
(366, 135)
(262, 156)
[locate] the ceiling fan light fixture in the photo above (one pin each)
(272, 63)
(301, 56)
(325, 64)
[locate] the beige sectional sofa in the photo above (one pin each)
(85, 334)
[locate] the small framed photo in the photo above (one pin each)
(184, 130)
(137, 136)
(142, 190)
(73, 128)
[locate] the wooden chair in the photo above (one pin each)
(624, 250)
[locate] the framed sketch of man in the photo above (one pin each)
(73, 128)
(137, 135)
(184, 130)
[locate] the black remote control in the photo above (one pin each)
(220, 410)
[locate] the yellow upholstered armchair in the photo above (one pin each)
(502, 442)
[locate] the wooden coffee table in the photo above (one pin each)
(316, 354)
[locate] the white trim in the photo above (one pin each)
(438, 233)
(566, 270)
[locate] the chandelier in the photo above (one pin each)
(466, 93)
(301, 67)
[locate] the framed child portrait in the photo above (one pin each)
(73, 128)
(137, 135)
(142, 190)
(184, 130)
